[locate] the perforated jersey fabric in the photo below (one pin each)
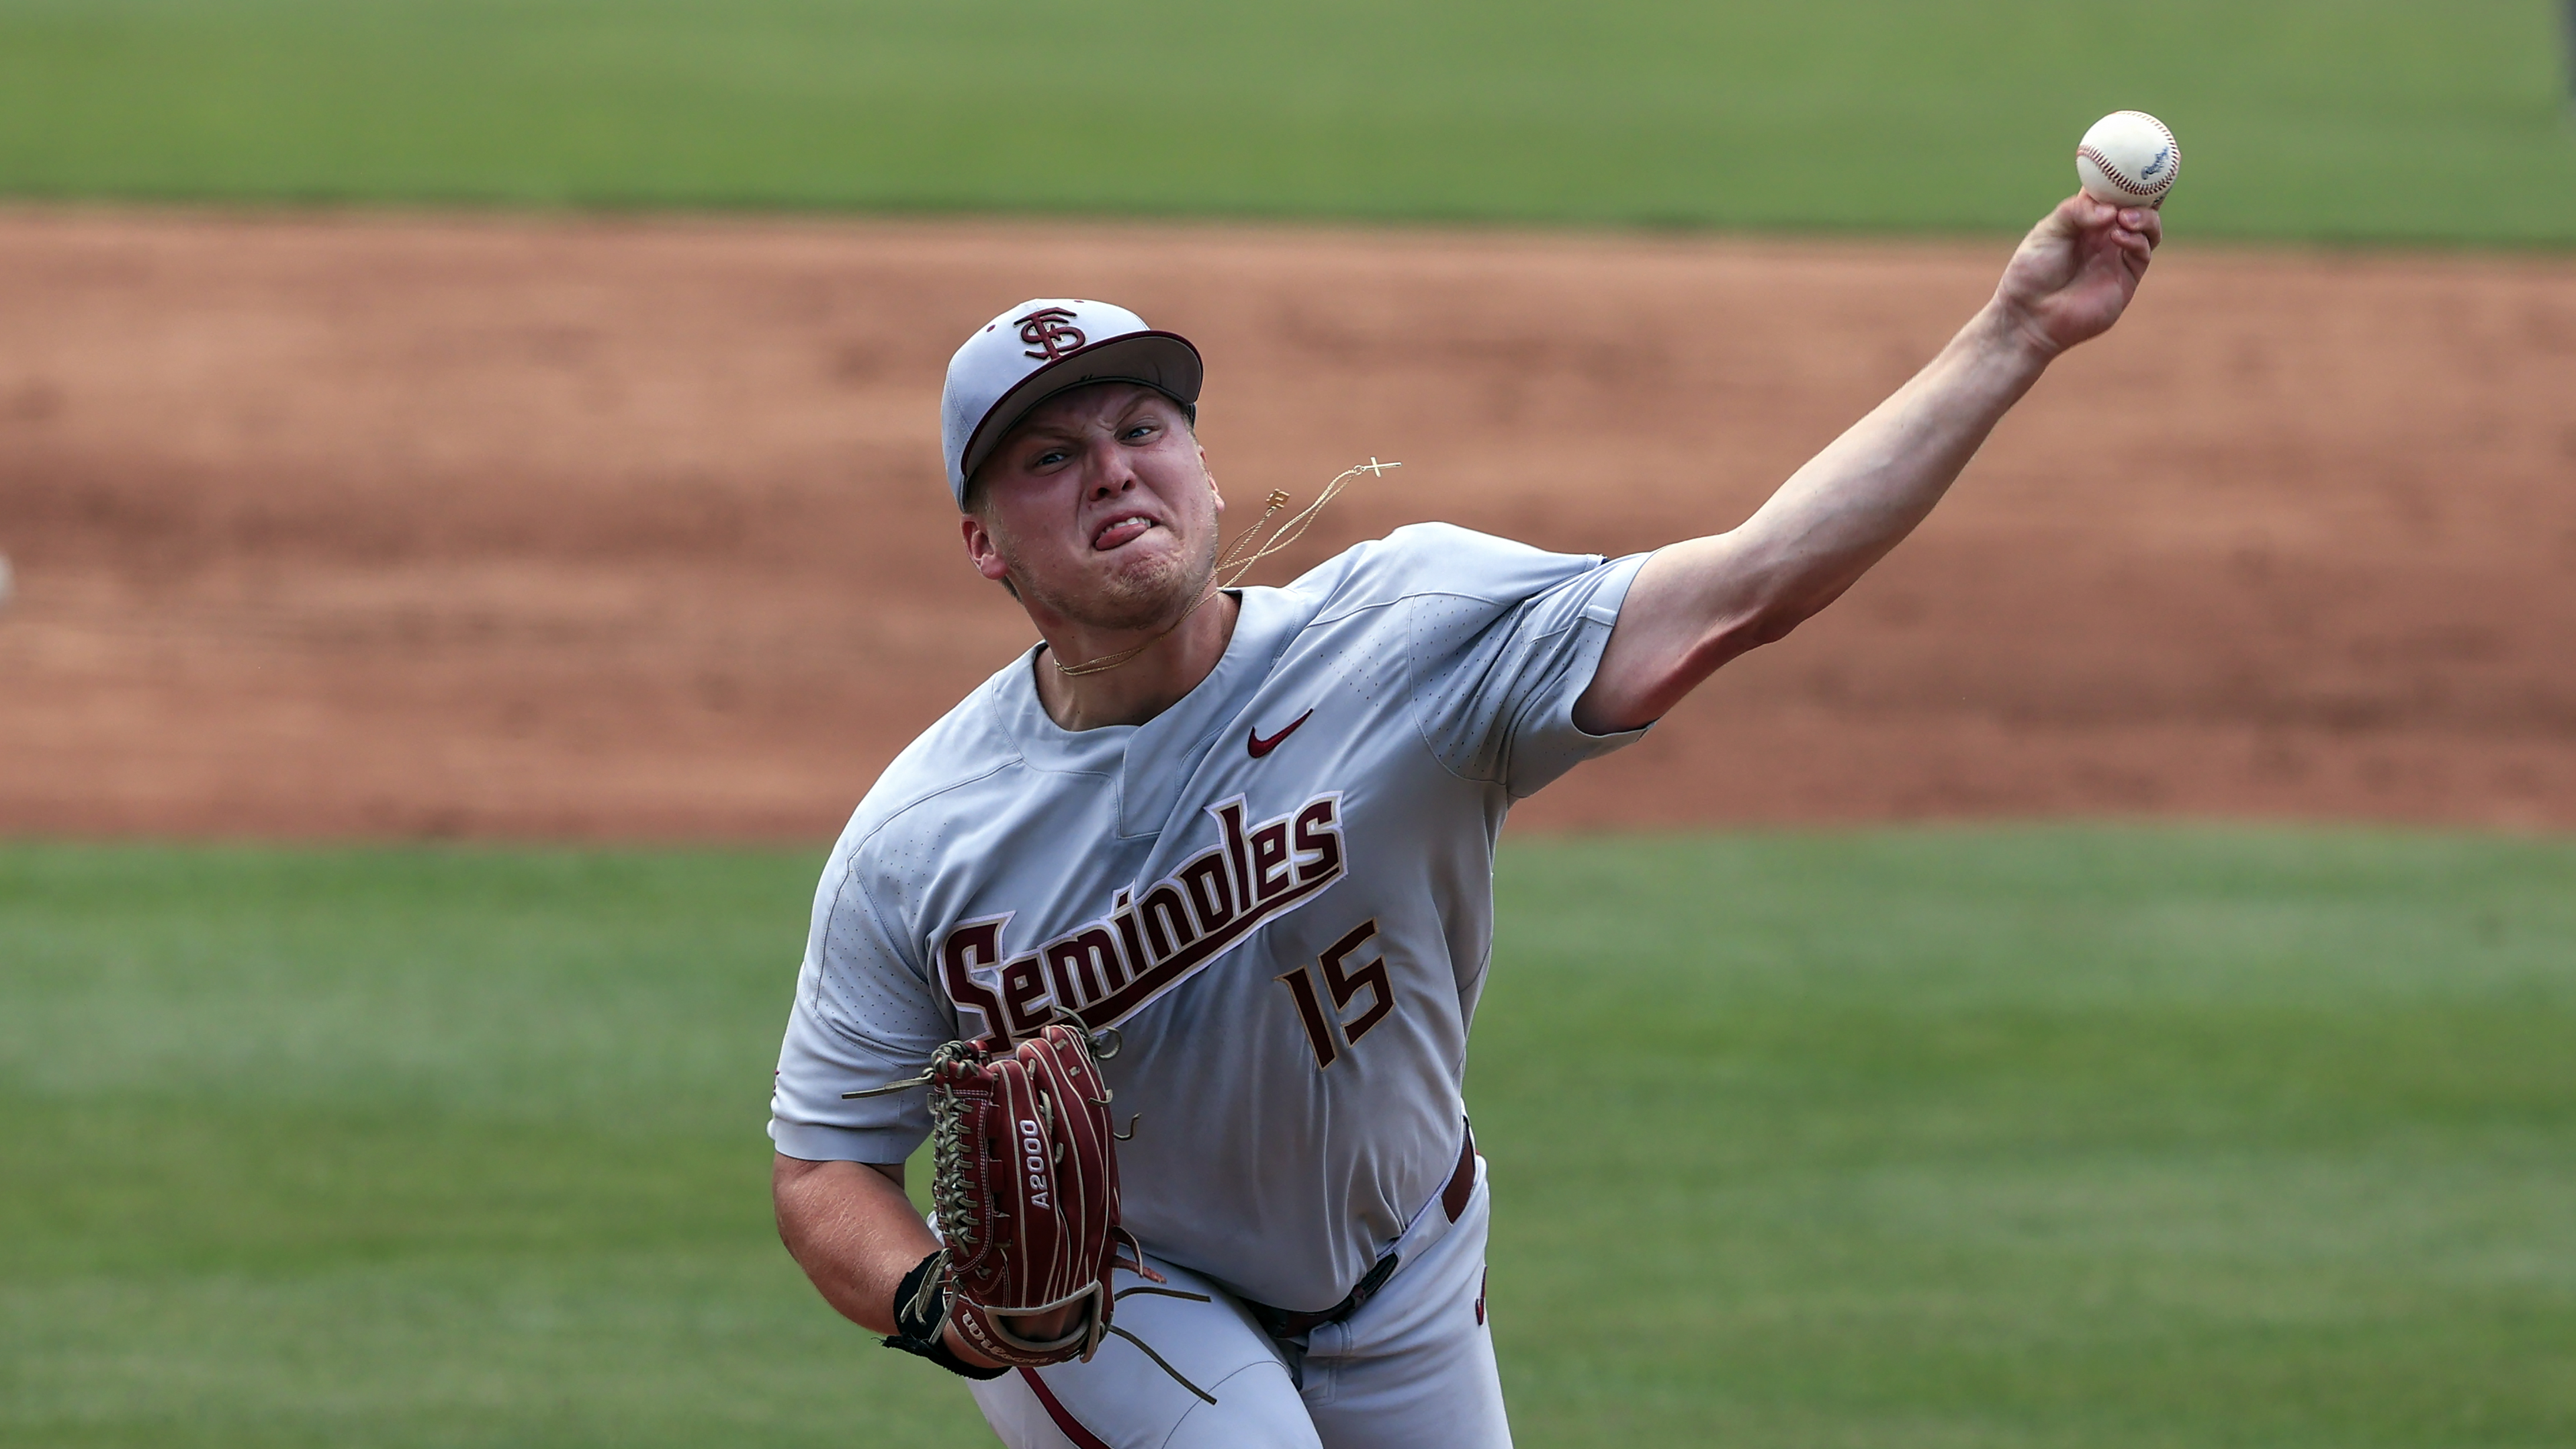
(1279, 892)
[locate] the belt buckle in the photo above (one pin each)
(1279, 1323)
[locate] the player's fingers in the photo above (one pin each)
(2146, 222)
(2069, 218)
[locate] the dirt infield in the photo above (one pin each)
(586, 529)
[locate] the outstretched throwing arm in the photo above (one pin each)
(1700, 603)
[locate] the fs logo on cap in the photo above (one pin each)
(1050, 333)
(1042, 347)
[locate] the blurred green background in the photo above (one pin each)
(2066, 1136)
(2337, 119)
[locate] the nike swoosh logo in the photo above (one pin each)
(1259, 746)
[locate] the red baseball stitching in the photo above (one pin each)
(2115, 173)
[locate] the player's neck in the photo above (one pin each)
(1141, 688)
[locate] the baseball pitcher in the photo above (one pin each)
(1171, 933)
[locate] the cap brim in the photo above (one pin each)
(1163, 361)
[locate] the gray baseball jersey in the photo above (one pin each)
(1279, 891)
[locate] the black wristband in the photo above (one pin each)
(921, 1312)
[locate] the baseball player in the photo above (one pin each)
(1252, 831)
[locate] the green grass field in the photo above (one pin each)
(2340, 119)
(2019, 1137)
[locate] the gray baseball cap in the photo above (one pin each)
(1043, 347)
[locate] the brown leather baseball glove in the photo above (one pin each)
(1025, 1182)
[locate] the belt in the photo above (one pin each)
(1280, 1323)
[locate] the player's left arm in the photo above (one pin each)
(1697, 604)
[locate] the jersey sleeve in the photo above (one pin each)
(1502, 639)
(866, 1014)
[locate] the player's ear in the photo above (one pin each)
(982, 551)
(1213, 491)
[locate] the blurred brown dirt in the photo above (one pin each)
(400, 527)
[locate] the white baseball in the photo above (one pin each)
(2129, 158)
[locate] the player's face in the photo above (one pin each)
(1098, 508)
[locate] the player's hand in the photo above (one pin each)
(2076, 271)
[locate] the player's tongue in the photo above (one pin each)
(1126, 528)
